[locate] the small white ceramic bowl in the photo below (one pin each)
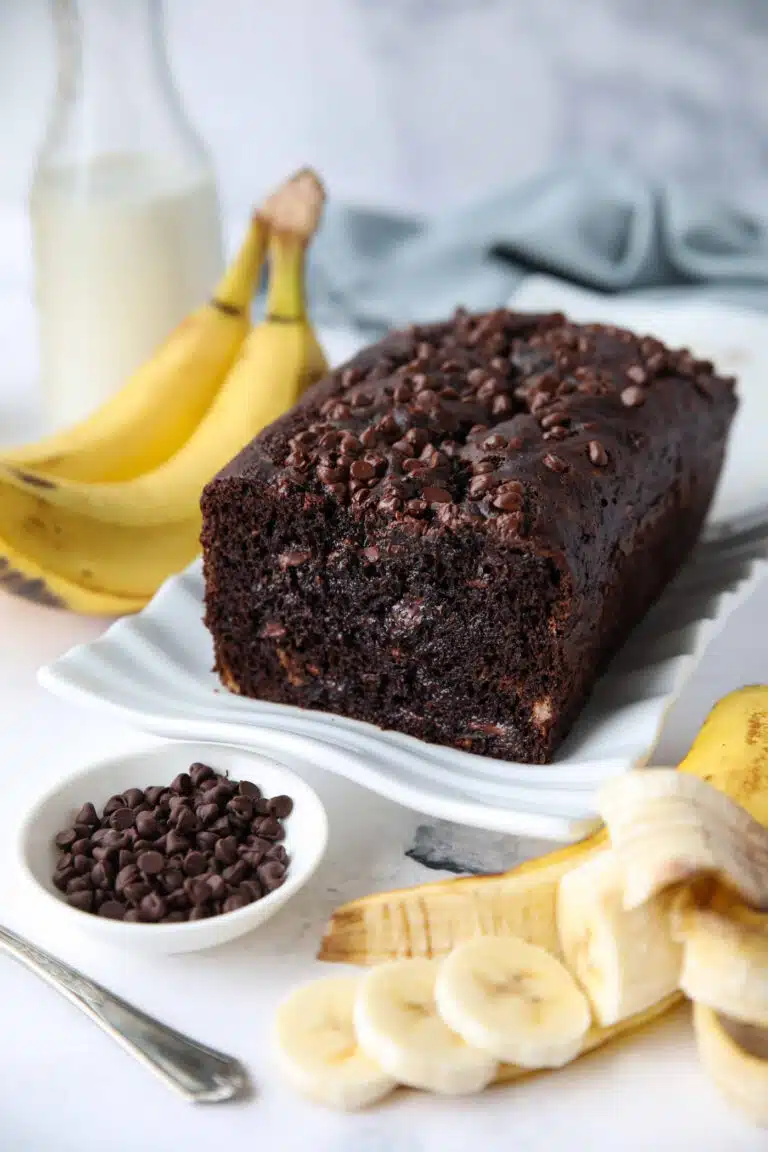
(305, 841)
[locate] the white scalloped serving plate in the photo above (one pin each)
(153, 670)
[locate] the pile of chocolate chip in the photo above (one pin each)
(203, 846)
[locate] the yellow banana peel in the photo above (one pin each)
(730, 752)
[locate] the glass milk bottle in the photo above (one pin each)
(124, 209)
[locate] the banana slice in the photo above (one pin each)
(398, 1026)
(625, 960)
(317, 1049)
(735, 1057)
(669, 828)
(514, 1000)
(725, 954)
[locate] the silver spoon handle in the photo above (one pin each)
(199, 1073)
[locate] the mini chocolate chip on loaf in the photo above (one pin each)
(451, 535)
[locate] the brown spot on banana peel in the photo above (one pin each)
(33, 480)
(35, 590)
(225, 308)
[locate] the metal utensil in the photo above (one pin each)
(200, 1074)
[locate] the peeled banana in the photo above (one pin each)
(625, 959)
(514, 1000)
(160, 406)
(724, 948)
(667, 828)
(398, 1025)
(107, 547)
(317, 1049)
(735, 1057)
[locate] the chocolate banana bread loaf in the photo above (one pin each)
(452, 534)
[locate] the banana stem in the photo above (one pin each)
(235, 289)
(285, 294)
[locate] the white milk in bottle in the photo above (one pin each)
(117, 267)
(124, 208)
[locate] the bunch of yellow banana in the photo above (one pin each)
(670, 899)
(97, 517)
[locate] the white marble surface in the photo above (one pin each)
(64, 1085)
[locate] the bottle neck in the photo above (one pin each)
(115, 92)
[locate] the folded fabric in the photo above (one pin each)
(597, 226)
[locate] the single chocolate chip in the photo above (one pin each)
(235, 873)
(182, 784)
(146, 825)
(136, 891)
(113, 804)
(248, 788)
(100, 852)
(150, 863)
(121, 819)
(178, 900)
(362, 470)
(81, 865)
(637, 374)
(293, 559)
(271, 875)
(235, 901)
(132, 916)
(124, 858)
(554, 463)
(126, 876)
(207, 813)
(280, 807)
(153, 908)
(207, 841)
(198, 889)
(218, 886)
(278, 852)
(436, 495)
(112, 910)
(87, 815)
(84, 830)
(153, 794)
(62, 879)
(66, 838)
(81, 847)
(222, 826)
(102, 875)
(479, 485)
(633, 396)
(199, 772)
(82, 900)
(507, 501)
(175, 842)
(185, 820)
(142, 846)
(259, 844)
(64, 861)
(134, 797)
(226, 850)
(199, 912)
(597, 453)
(79, 884)
(241, 807)
(172, 879)
(194, 863)
(252, 889)
(271, 829)
(115, 839)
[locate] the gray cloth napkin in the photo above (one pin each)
(597, 226)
